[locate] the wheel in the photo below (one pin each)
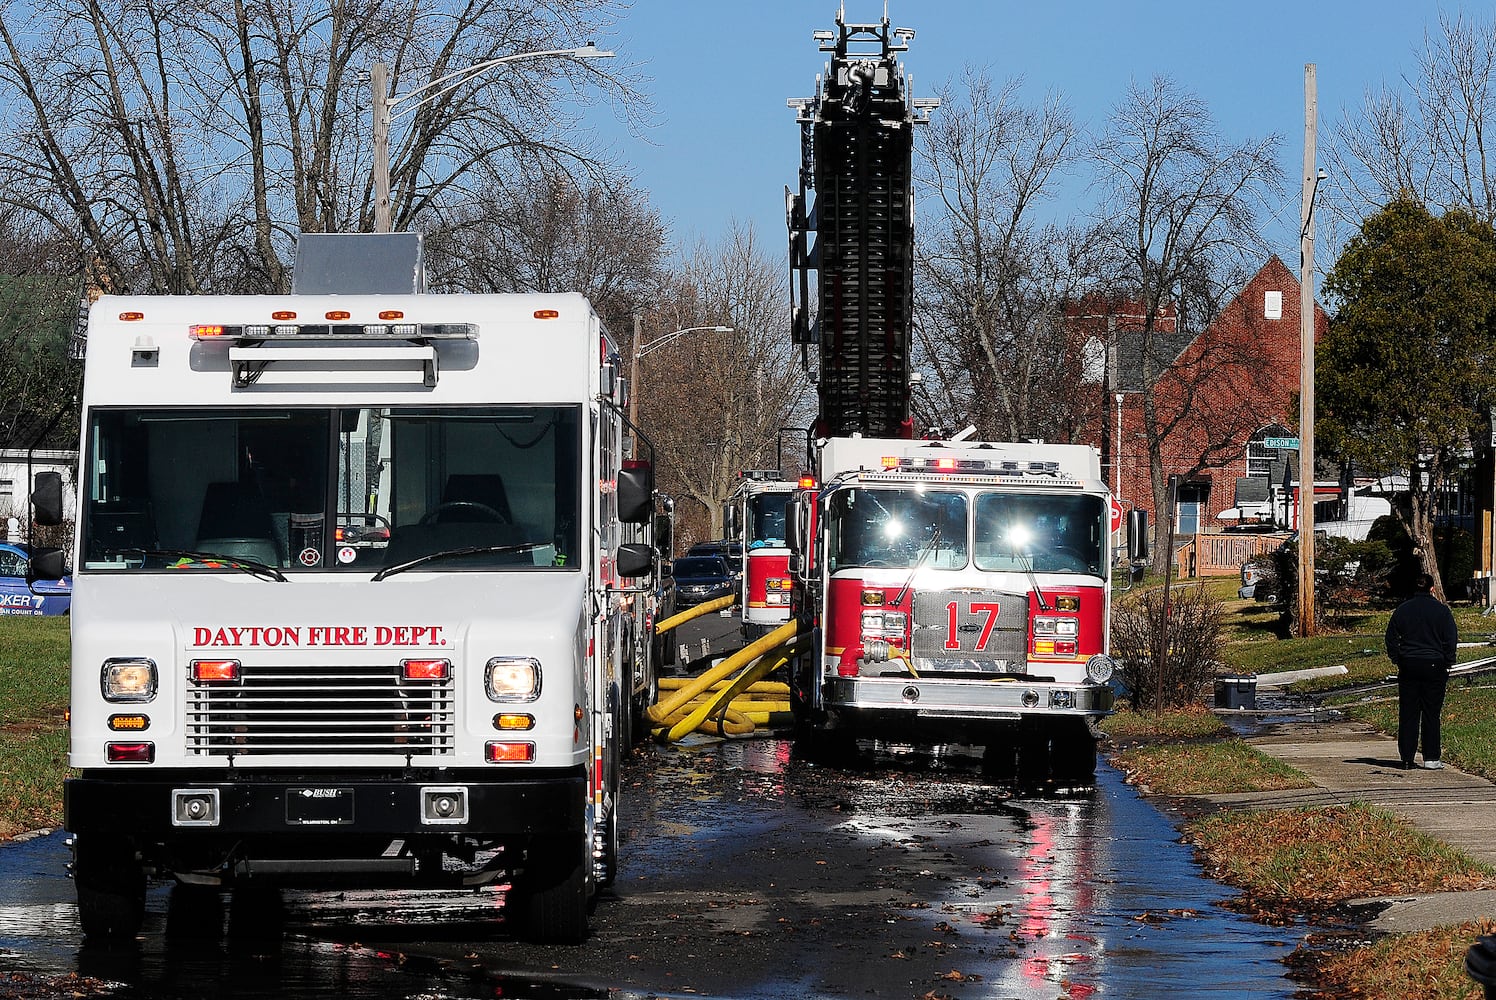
(1000, 760)
(549, 898)
(1034, 759)
(256, 913)
(111, 888)
(1073, 756)
(607, 861)
(194, 912)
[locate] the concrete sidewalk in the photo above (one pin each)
(1351, 762)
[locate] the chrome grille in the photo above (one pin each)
(1007, 640)
(301, 709)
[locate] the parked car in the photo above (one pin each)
(45, 597)
(701, 578)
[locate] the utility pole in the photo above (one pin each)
(1306, 359)
(634, 391)
(378, 77)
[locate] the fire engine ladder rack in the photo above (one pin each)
(344, 358)
(856, 151)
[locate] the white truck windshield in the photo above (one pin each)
(891, 528)
(1040, 533)
(332, 490)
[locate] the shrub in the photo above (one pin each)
(1349, 576)
(1194, 644)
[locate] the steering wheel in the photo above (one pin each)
(489, 514)
(877, 564)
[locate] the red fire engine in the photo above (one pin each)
(954, 591)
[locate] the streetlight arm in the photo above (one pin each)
(458, 77)
(667, 338)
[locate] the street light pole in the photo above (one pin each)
(383, 109)
(1117, 465)
(639, 352)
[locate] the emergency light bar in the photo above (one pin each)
(334, 331)
(1001, 467)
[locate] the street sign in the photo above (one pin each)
(1287, 444)
(1116, 516)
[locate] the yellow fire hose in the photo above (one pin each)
(666, 707)
(730, 717)
(706, 607)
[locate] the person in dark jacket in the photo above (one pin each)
(1421, 640)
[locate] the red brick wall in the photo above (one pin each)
(1247, 369)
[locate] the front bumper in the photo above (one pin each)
(325, 804)
(936, 700)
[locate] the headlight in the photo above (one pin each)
(128, 679)
(1099, 668)
(884, 623)
(512, 678)
(1055, 626)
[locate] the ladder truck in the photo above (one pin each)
(955, 591)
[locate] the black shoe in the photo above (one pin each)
(1408, 765)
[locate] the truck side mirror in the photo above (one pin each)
(731, 522)
(635, 560)
(46, 499)
(664, 535)
(635, 495)
(45, 564)
(794, 518)
(1137, 535)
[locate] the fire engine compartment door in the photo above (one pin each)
(970, 629)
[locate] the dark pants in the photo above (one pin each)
(1420, 697)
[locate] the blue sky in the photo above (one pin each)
(724, 145)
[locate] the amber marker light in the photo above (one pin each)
(129, 723)
(513, 721)
(392, 314)
(281, 315)
(337, 314)
(131, 317)
(201, 330)
(546, 314)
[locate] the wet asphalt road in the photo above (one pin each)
(747, 872)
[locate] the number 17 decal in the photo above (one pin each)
(952, 611)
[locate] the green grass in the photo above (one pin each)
(1426, 964)
(33, 668)
(1206, 768)
(33, 727)
(1176, 724)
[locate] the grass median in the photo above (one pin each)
(33, 722)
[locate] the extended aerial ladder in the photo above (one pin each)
(856, 151)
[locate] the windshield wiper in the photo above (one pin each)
(1028, 567)
(929, 547)
(251, 566)
(469, 550)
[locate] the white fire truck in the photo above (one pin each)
(353, 599)
(756, 520)
(958, 592)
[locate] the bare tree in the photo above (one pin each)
(990, 332)
(182, 145)
(1178, 231)
(714, 403)
(544, 231)
(1431, 138)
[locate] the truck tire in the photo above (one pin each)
(111, 889)
(194, 912)
(1074, 756)
(549, 901)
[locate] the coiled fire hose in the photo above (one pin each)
(682, 711)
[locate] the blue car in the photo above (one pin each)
(701, 578)
(45, 597)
